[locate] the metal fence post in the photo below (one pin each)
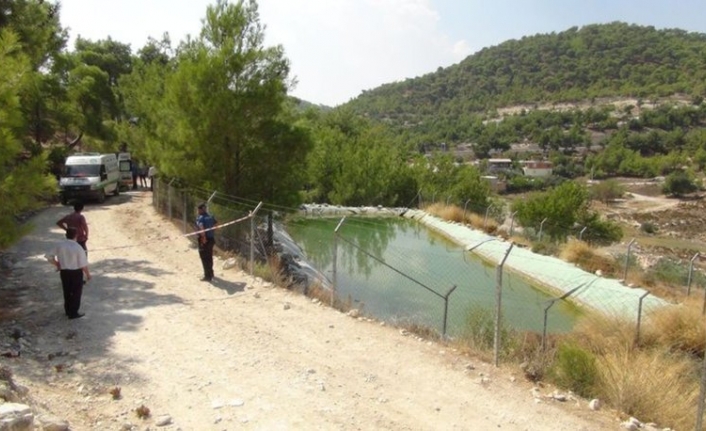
(639, 319)
(252, 238)
(169, 198)
(155, 192)
(465, 205)
(541, 228)
(448, 198)
(335, 260)
(512, 222)
(702, 396)
(446, 308)
(498, 301)
(691, 271)
(581, 233)
(627, 260)
(486, 215)
(213, 195)
(185, 196)
(419, 199)
(551, 304)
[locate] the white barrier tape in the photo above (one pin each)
(166, 238)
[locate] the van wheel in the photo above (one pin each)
(116, 192)
(64, 201)
(101, 196)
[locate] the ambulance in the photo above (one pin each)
(89, 176)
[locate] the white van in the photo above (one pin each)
(89, 176)
(125, 164)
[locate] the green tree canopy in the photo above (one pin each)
(216, 115)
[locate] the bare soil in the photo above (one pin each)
(236, 354)
(662, 226)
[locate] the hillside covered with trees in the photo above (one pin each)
(579, 64)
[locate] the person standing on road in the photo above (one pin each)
(143, 176)
(151, 173)
(135, 169)
(71, 262)
(76, 221)
(205, 222)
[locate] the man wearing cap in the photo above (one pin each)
(205, 222)
(71, 262)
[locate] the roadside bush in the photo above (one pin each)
(600, 231)
(679, 183)
(607, 191)
(648, 227)
(575, 368)
(521, 183)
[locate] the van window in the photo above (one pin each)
(125, 166)
(81, 170)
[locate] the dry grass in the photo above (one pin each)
(602, 334)
(456, 214)
(586, 258)
(490, 226)
(656, 381)
(678, 328)
(651, 385)
(446, 212)
(521, 241)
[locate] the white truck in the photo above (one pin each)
(89, 176)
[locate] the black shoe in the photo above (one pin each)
(77, 316)
(206, 279)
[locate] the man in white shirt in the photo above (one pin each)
(151, 173)
(71, 262)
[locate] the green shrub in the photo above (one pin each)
(607, 191)
(479, 332)
(679, 183)
(648, 227)
(575, 369)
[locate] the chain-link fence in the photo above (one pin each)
(443, 289)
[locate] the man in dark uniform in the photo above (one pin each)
(71, 262)
(205, 222)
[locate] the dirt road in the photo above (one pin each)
(236, 354)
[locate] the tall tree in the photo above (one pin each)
(223, 118)
(23, 180)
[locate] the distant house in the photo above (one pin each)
(535, 168)
(499, 165)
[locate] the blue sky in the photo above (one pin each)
(338, 48)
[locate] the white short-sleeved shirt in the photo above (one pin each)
(70, 255)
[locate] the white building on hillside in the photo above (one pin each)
(534, 168)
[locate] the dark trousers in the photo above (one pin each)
(72, 284)
(206, 255)
(83, 244)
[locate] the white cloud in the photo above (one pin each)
(337, 48)
(340, 47)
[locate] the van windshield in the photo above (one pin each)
(81, 171)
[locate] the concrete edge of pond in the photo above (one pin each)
(557, 277)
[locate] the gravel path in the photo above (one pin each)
(236, 354)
